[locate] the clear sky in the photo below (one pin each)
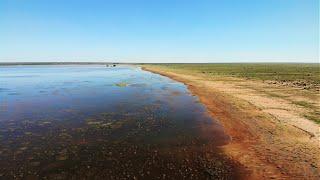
(159, 30)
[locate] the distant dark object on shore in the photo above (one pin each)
(111, 65)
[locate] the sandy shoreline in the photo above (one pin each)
(265, 140)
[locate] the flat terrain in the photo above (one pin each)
(271, 112)
(306, 76)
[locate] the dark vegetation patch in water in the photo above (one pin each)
(111, 145)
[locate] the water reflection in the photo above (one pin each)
(95, 121)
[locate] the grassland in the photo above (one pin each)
(301, 75)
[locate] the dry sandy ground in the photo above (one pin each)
(270, 135)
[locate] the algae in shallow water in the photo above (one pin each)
(122, 84)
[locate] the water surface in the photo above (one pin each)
(93, 121)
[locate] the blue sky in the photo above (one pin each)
(159, 30)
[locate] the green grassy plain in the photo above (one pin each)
(284, 72)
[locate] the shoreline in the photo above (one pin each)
(265, 146)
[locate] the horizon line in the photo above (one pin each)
(110, 62)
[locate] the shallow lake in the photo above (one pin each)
(93, 121)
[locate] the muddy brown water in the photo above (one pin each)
(98, 122)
